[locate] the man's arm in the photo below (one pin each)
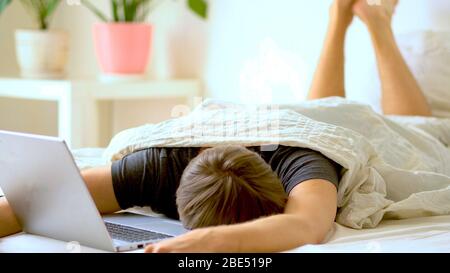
(8, 222)
(99, 183)
(309, 215)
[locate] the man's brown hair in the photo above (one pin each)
(227, 185)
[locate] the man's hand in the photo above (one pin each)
(308, 217)
(203, 240)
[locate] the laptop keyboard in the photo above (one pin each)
(130, 234)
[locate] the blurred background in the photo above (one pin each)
(245, 51)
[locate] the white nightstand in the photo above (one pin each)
(78, 109)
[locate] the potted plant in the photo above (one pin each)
(3, 4)
(41, 53)
(123, 42)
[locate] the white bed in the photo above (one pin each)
(429, 234)
(420, 235)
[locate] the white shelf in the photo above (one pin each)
(33, 89)
(143, 90)
(78, 100)
(52, 89)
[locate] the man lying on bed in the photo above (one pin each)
(245, 199)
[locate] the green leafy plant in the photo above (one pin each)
(138, 10)
(41, 10)
(3, 4)
(199, 7)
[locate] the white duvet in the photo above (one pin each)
(394, 167)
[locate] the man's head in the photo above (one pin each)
(227, 185)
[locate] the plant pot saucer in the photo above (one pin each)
(120, 78)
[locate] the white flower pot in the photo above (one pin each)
(42, 54)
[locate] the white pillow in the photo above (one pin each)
(428, 55)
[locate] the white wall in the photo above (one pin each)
(13, 16)
(272, 46)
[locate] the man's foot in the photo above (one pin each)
(341, 11)
(375, 13)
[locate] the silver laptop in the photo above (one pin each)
(44, 188)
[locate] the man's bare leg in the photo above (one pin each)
(329, 76)
(401, 94)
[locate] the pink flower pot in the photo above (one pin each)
(122, 48)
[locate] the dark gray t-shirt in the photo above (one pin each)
(150, 177)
